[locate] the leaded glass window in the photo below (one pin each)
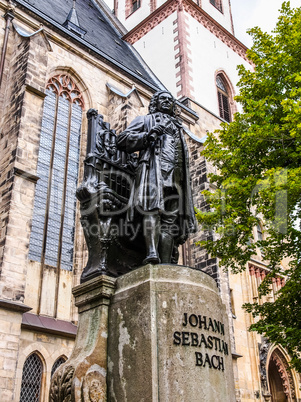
(52, 234)
(31, 379)
(57, 364)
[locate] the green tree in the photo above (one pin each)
(258, 160)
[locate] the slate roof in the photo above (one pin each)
(101, 36)
(48, 324)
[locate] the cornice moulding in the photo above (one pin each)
(14, 306)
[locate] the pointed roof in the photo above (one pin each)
(89, 25)
(72, 22)
(72, 16)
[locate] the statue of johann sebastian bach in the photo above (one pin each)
(161, 195)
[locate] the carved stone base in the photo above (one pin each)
(83, 376)
(168, 338)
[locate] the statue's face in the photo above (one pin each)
(165, 103)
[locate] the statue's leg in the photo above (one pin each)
(151, 228)
(166, 245)
(169, 226)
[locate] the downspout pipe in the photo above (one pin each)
(9, 16)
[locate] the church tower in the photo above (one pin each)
(190, 46)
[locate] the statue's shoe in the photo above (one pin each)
(151, 259)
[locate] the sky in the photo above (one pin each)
(250, 13)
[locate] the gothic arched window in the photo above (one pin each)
(52, 234)
(223, 98)
(31, 379)
(57, 364)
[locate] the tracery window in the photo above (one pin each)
(57, 364)
(223, 98)
(52, 234)
(217, 4)
(31, 379)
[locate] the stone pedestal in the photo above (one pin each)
(83, 376)
(168, 338)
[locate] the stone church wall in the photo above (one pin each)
(29, 64)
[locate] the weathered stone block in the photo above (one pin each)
(83, 376)
(168, 338)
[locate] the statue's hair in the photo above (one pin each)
(153, 104)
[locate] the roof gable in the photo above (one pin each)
(101, 35)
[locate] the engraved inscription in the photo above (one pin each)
(208, 341)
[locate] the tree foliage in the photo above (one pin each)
(258, 161)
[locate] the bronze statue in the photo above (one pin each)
(135, 198)
(161, 194)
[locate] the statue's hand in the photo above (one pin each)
(155, 132)
(182, 239)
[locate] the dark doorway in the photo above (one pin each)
(276, 383)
